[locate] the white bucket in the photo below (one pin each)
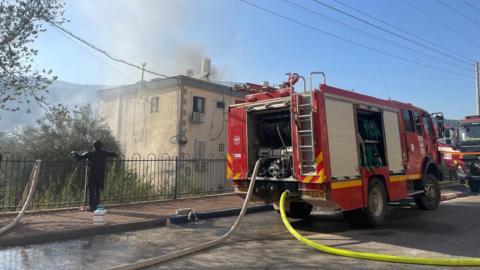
(99, 216)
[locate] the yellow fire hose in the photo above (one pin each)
(372, 256)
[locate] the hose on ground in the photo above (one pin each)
(164, 258)
(32, 181)
(372, 256)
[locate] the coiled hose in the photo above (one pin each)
(161, 259)
(33, 184)
(372, 256)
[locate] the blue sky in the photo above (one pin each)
(247, 44)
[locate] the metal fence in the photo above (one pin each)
(62, 183)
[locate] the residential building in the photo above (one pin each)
(178, 116)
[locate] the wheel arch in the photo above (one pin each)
(430, 167)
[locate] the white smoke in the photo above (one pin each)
(149, 31)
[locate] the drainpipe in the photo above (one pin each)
(179, 113)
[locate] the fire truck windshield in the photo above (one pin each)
(469, 133)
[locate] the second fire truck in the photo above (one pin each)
(333, 148)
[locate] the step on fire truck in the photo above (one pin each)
(333, 148)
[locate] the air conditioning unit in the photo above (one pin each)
(198, 117)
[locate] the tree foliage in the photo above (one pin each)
(59, 132)
(21, 21)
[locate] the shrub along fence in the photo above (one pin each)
(62, 183)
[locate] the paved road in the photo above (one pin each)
(263, 243)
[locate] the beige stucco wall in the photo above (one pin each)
(142, 132)
(138, 130)
(213, 130)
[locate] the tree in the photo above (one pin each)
(21, 21)
(59, 132)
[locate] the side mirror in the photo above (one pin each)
(440, 128)
(446, 134)
(448, 141)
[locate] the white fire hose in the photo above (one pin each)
(32, 181)
(160, 259)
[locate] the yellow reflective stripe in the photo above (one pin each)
(237, 176)
(405, 177)
(398, 178)
(347, 184)
(320, 177)
(319, 158)
(229, 172)
(308, 178)
(415, 176)
(229, 158)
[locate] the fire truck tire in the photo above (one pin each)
(373, 215)
(376, 209)
(474, 185)
(431, 198)
(299, 210)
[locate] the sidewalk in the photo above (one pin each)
(60, 225)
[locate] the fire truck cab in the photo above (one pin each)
(333, 148)
(466, 154)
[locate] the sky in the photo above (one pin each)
(247, 44)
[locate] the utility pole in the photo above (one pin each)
(477, 83)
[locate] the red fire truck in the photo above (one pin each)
(448, 153)
(466, 151)
(333, 148)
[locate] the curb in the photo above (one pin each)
(93, 230)
(22, 240)
(182, 219)
(450, 196)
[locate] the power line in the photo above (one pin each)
(93, 55)
(470, 5)
(377, 36)
(109, 55)
(458, 12)
(441, 23)
(404, 31)
(390, 32)
(353, 42)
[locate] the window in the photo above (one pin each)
(220, 104)
(427, 123)
(418, 124)
(408, 120)
(221, 147)
(199, 149)
(199, 104)
(154, 104)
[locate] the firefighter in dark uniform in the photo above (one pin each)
(96, 162)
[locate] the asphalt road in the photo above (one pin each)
(262, 242)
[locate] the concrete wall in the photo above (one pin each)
(213, 130)
(138, 130)
(142, 132)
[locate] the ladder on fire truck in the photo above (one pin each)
(304, 117)
(305, 134)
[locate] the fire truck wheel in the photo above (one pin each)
(431, 198)
(374, 214)
(300, 210)
(474, 185)
(376, 209)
